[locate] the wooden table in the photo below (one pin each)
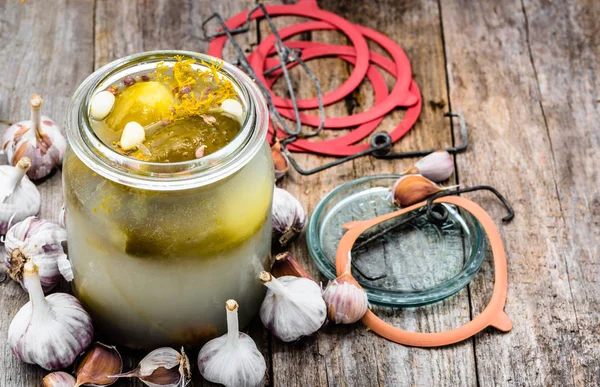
(525, 75)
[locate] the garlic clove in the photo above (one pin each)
(411, 189)
(58, 379)
(234, 109)
(285, 264)
(19, 197)
(133, 134)
(102, 104)
(200, 151)
(436, 166)
(163, 367)
(280, 160)
(49, 331)
(288, 217)
(293, 306)
(95, 366)
(346, 300)
(38, 138)
(40, 242)
(232, 359)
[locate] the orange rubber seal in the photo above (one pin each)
(493, 315)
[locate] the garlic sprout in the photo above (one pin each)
(293, 306)
(232, 359)
(41, 242)
(49, 331)
(38, 138)
(164, 367)
(289, 217)
(19, 197)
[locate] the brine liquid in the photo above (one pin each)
(155, 268)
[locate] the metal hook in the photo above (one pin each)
(439, 214)
(457, 149)
(379, 142)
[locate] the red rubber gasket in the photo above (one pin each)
(399, 96)
(333, 146)
(311, 10)
(342, 146)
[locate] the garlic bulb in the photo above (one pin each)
(411, 189)
(285, 264)
(38, 241)
(288, 216)
(436, 166)
(280, 160)
(232, 359)
(19, 197)
(164, 367)
(293, 306)
(346, 300)
(95, 366)
(38, 138)
(49, 331)
(58, 379)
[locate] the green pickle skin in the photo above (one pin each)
(155, 267)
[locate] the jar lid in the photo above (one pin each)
(405, 262)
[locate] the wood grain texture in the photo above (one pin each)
(524, 76)
(523, 72)
(36, 58)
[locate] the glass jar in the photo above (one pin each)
(157, 248)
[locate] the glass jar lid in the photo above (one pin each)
(405, 262)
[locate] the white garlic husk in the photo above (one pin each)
(232, 359)
(163, 367)
(288, 215)
(19, 197)
(41, 242)
(437, 166)
(346, 300)
(49, 331)
(38, 138)
(293, 306)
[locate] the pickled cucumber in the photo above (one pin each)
(143, 102)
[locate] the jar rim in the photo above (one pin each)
(125, 170)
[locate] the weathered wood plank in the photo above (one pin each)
(566, 68)
(493, 81)
(45, 50)
(350, 355)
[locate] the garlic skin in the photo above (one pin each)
(232, 359)
(96, 364)
(285, 264)
(40, 242)
(58, 379)
(293, 307)
(280, 160)
(346, 300)
(49, 331)
(164, 367)
(288, 216)
(411, 189)
(437, 166)
(38, 138)
(19, 197)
